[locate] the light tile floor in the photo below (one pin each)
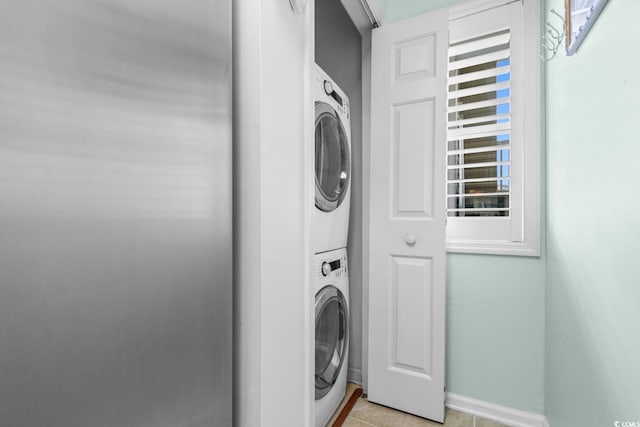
(367, 414)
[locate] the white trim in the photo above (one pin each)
(366, 191)
(491, 247)
(358, 15)
(532, 128)
(354, 375)
(309, 185)
(262, 247)
(471, 7)
(374, 7)
(491, 411)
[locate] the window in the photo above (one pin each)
(493, 128)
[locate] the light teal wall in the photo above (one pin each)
(495, 329)
(396, 10)
(593, 290)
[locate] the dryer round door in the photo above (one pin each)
(332, 338)
(333, 161)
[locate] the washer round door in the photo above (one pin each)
(332, 338)
(333, 162)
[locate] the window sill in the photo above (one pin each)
(488, 247)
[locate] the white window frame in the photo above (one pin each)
(518, 234)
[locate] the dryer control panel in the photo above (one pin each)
(332, 91)
(343, 102)
(332, 267)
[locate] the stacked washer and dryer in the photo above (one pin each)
(330, 231)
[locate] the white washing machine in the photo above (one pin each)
(332, 332)
(332, 165)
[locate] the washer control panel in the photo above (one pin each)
(333, 267)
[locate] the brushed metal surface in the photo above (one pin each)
(115, 213)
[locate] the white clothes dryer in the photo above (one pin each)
(332, 165)
(331, 332)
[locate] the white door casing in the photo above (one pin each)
(407, 219)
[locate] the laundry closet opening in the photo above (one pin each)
(338, 51)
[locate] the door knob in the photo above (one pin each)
(410, 239)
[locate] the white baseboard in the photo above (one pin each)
(354, 375)
(491, 411)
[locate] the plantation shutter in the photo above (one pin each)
(479, 126)
(493, 128)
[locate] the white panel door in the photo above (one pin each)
(407, 241)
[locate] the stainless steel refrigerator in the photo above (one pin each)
(115, 213)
